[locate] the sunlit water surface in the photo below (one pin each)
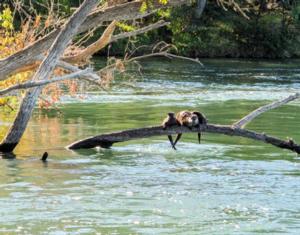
(226, 185)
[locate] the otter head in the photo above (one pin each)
(201, 118)
(190, 119)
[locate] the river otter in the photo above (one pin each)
(190, 119)
(169, 121)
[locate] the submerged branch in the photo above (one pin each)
(107, 140)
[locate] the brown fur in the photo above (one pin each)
(169, 121)
(190, 119)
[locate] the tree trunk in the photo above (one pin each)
(44, 71)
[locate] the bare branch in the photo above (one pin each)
(183, 58)
(31, 84)
(245, 120)
(163, 53)
(86, 53)
(90, 77)
(166, 54)
(145, 29)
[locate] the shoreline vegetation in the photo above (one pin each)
(267, 29)
(271, 31)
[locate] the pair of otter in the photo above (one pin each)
(189, 119)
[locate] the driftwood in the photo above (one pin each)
(107, 140)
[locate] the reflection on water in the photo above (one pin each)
(225, 185)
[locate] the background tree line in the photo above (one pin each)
(267, 29)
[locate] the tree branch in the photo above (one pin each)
(86, 53)
(245, 120)
(163, 53)
(145, 29)
(31, 84)
(107, 140)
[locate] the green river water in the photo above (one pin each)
(226, 185)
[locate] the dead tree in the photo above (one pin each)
(43, 73)
(107, 140)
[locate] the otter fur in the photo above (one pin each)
(190, 119)
(169, 121)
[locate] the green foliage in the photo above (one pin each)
(270, 34)
(6, 19)
(296, 13)
(126, 27)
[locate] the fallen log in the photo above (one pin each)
(107, 140)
